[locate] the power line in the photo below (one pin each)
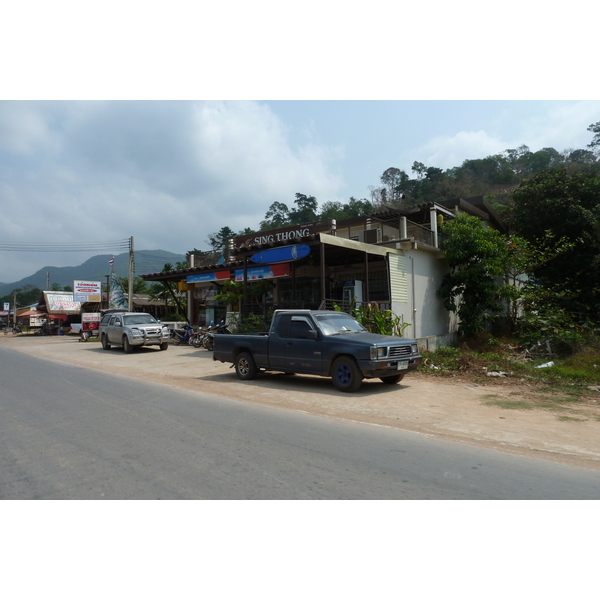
(77, 247)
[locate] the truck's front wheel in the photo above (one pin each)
(346, 375)
(245, 367)
(104, 340)
(126, 345)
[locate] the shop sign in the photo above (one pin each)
(256, 273)
(87, 291)
(61, 302)
(291, 234)
(212, 276)
(90, 321)
(283, 254)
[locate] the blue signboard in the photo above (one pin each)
(283, 254)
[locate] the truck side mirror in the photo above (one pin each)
(311, 334)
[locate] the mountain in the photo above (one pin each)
(96, 269)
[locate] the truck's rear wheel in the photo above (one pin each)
(245, 367)
(104, 340)
(392, 379)
(346, 375)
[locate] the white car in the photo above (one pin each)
(75, 328)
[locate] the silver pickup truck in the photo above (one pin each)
(131, 329)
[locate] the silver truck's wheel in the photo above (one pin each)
(346, 375)
(164, 346)
(126, 345)
(245, 367)
(104, 341)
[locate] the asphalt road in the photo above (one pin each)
(68, 432)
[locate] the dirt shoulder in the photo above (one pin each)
(454, 409)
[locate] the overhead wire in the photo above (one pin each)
(76, 247)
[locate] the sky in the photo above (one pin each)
(169, 173)
(166, 138)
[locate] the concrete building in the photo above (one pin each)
(394, 257)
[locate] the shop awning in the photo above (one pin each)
(61, 303)
(31, 314)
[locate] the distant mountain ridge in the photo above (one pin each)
(96, 269)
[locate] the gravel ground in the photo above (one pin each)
(455, 409)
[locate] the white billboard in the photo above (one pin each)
(87, 291)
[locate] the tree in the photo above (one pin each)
(358, 208)
(394, 179)
(167, 290)
(306, 211)
(524, 293)
(277, 216)
(419, 168)
(139, 285)
(218, 241)
(476, 256)
(333, 210)
(567, 205)
(595, 129)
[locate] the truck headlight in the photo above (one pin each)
(414, 348)
(378, 353)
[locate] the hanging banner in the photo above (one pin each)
(211, 276)
(255, 273)
(117, 296)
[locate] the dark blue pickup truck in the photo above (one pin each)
(327, 343)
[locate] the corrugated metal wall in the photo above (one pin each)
(398, 278)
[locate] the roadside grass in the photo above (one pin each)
(570, 384)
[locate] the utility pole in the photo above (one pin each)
(107, 291)
(130, 294)
(14, 308)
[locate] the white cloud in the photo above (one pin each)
(445, 152)
(168, 173)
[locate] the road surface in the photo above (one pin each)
(69, 432)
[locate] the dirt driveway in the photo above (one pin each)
(458, 410)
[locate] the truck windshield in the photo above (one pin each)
(138, 319)
(338, 323)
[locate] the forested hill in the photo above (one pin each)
(95, 269)
(495, 176)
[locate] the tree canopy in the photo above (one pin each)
(568, 205)
(477, 257)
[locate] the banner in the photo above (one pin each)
(255, 273)
(117, 296)
(211, 276)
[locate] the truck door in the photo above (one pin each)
(115, 328)
(302, 352)
(278, 340)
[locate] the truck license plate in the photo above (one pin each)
(402, 364)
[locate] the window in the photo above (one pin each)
(284, 325)
(299, 328)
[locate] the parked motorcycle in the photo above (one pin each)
(178, 337)
(208, 341)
